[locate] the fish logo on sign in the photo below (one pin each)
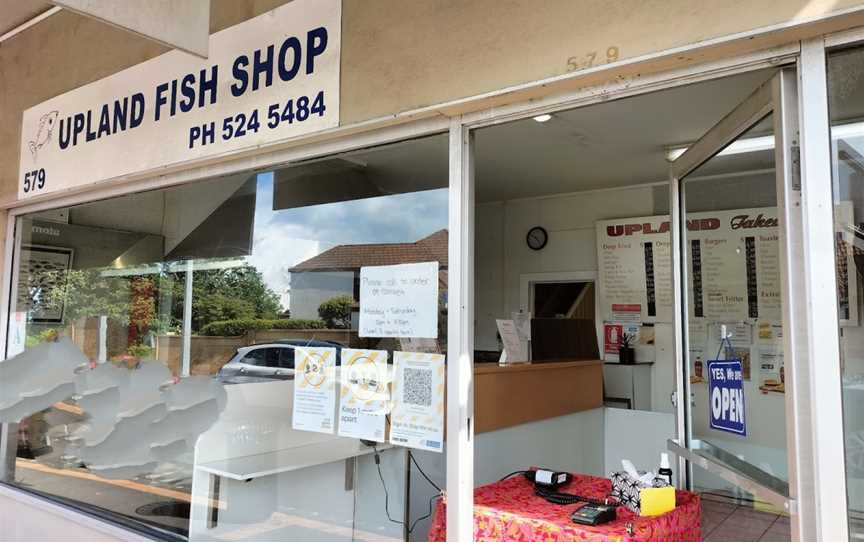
(44, 132)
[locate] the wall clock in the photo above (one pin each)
(537, 237)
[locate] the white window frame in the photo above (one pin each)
(460, 468)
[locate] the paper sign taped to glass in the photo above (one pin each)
(417, 419)
(399, 301)
(364, 398)
(314, 390)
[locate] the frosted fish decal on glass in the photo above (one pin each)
(37, 378)
(104, 413)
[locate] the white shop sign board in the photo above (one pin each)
(399, 301)
(268, 79)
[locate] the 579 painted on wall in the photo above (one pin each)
(241, 124)
(34, 180)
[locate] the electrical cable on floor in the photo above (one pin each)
(419, 468)
(354, 499)
(433, 484)
(387, 495)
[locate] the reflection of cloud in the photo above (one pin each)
(276, 248)
(287, 237)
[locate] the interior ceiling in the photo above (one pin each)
(617, 143)
(14, 13)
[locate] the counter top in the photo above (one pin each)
(524, 393)
(490, 368)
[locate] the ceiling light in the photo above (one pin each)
(740, 146)
(765, 143)
(543, 118)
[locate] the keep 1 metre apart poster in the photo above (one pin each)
(364, 397)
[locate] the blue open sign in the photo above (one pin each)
(726, 396)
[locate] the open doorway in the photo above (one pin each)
(573, 222)
(565, 299)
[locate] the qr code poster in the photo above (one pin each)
(364, 398)
(314, 390)
(417, 420)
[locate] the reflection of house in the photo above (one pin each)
(337, 271)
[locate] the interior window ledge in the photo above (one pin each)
(91, 519)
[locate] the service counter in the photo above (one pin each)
(517, 394)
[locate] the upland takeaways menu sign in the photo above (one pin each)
(732, 262)
(273, 77)
(633, 256)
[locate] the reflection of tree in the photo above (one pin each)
(336, 311)
(134, 301)
(224, 294)
(89, 293)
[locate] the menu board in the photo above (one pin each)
(635, 263)
(732, 260)
(733, 265)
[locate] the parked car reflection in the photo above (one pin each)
(269, 361)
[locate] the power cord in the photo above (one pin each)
(514, 473)
(431, 499)
(551, 496)
(387, 495)
(555, 497)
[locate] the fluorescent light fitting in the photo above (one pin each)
(543, 118)
(741, 146)
(764, 143)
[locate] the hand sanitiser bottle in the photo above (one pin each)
(664, 471)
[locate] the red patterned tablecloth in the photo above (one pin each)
(508, 511)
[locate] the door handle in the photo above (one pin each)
(242, 370)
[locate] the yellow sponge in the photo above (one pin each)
(654, 501)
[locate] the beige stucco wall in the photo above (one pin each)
(402, 55)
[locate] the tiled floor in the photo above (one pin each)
(722, 521)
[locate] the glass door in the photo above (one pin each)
(732, 290)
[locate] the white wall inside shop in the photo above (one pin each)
(503, 258)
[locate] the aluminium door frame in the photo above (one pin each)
(763, 101)
(815, 451)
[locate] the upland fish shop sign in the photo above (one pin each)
(270, 78)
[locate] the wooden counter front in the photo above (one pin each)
(517, 394)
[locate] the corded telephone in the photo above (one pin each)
(546, 482)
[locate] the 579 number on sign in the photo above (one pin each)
(34, 180)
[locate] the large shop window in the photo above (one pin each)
(256, 357)
(846, 104)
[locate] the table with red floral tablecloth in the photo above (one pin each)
(508, 511)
